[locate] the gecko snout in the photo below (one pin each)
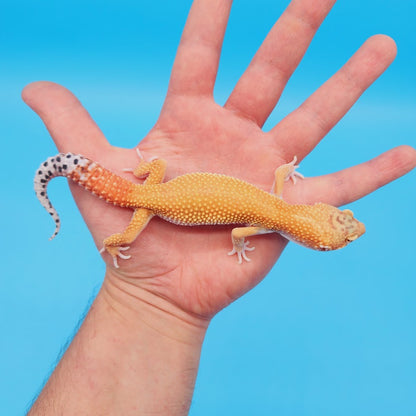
(351, 226)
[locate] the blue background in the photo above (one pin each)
(321, 335)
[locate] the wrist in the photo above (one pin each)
(154, 344)
(134, 344)
(138, 307)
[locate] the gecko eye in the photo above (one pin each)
(348, 212)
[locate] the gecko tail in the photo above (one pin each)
(62, 164)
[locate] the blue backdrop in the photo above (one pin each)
(332, 335)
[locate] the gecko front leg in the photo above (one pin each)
(240, 245)
(283, 173)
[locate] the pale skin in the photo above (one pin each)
(138, 350)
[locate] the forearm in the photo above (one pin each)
(132, 355)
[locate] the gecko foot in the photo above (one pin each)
(240, 250)
(140, 156)
(293, 174)
(114, 251)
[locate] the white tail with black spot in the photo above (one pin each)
(62, 164)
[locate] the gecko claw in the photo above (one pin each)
(115, 252)
(139, 154)
(241, 252)
(124, 256)
(294, 174)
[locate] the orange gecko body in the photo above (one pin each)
(197, 199)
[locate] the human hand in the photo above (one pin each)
(188, 266)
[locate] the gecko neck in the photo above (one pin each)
(287, 217)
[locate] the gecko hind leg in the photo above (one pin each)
(154, 171)
(118, 242)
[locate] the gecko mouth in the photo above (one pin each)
(358, 233)
(352, 237)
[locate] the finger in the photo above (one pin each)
(301, 131)
(261, 85)
(196, 63)
(350, 184)
(70, 125)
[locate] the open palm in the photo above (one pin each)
(188, 266)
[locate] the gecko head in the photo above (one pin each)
(324, 227)
(339, 228)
